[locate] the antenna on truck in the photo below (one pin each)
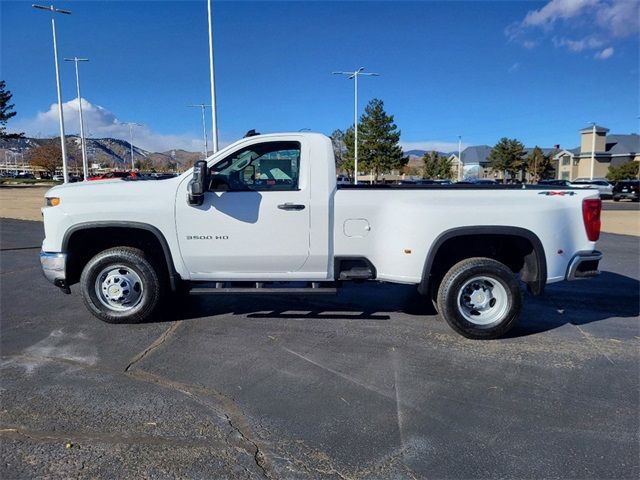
(251, 133)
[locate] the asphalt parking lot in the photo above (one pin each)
(366, 384)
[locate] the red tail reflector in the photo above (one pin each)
(591, 208)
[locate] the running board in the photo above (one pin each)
(259, 289)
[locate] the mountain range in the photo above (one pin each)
(116, 153)
(109, 152)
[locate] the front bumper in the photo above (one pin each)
(54, 267)
(584, 265)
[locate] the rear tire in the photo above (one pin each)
(616, 199)
(480, 298)
(120, 285)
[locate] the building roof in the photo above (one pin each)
(623, 144)
(480, 153)
(545, 151)
(476, 154)
(599, 129)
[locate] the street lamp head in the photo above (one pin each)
(51, 9)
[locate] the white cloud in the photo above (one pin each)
(429, 145)
(621, 17)
(514, 68)
(555, 10)
(604, 54)
(100, 122)
(578, 25)
(578, 45)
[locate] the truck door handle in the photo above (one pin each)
(291, 206)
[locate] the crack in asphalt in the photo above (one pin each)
(227, 409)
(157, 342)
(230, 411)
(258, 456)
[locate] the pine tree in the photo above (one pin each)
(378, 137)
(6, 112)
(626, 171)
(507, 156)
(445, 168)
(437, 166)
(431, 162)
(347, 163)
(539, 164)
(339, 150)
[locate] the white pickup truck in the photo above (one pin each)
(266, 212)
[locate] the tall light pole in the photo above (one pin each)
(131, 125)
(83, 142)
(593, 150)
(214, 119)
(355, 76)
(63, 145)
(460, 166)
(203, 107)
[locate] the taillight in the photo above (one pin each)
(591, 208)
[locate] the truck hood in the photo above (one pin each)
(118, 187)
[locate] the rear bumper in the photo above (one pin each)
(54, 267)
(625, 195)
(584, 265)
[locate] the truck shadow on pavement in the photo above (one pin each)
(609, 296)
(358, 301)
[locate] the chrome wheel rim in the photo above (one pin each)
(483, 300)
(119, 288)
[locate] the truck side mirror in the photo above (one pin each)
(196, 186)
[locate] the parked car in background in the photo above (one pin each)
(162, 176)
(604, 187)
(419, 181)
(58, 178)
(555, 183)
(25, 176)
(626, 190)
(477, 181)
(484, 181)
(343, 180)
(114, 176)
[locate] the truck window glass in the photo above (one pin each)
(261, 167)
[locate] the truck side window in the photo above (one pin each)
(260, 167)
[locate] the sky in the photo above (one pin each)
(536, 71)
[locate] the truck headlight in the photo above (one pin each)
(52, 201)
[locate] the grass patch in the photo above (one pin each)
(26, 181)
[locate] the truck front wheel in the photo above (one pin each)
(120, 285)
(480, 298)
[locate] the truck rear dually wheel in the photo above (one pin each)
(120, 285)
(480, 298)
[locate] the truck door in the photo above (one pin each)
(255, 215)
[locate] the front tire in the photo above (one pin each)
(120, 285)
(480, 298)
